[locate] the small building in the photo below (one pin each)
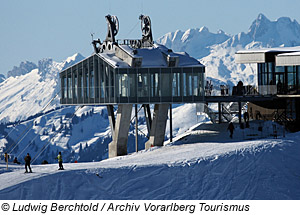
(278, 74)
(126, 72)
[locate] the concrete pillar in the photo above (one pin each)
(148, 117)
(136, 128)
(171, 121)
(158, 125)
(118, 146)
(240, 112)
(111, 118)
(220, 109)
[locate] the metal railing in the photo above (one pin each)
(248, 90)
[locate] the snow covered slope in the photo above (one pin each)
(261, 169)
(216, 51)
(60, 130)
(24, 93)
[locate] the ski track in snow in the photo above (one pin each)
(260, 169)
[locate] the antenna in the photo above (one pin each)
(92, 35)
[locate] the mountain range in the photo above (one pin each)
(26, 93)
(216, 50)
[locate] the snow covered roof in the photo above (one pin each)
(112, 60)
(288, 59)
(264, 55)
(155, 56)
(266, 50)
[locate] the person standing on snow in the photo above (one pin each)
(27, 160)
(59, 158)
(230, 128)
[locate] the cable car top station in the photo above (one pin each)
(127, 72)
(132, 72)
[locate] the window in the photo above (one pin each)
(86, 80)
(176, 81)
(123, 83)
(75, 84)
(96, 69)
(132, 83)
(291, 78)
(271, 72)
(166, 82)
(143, 83)
(102, 80)
(69, 84)
(154, 82)
(64, 87)
(187, 82)
(298, 78)
(198, 81)
(80, 81)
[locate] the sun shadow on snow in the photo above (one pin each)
(218, 133)
(261, 173)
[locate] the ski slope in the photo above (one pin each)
(256, 169)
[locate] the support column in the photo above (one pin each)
(171, 121)
(158, 126)
(118, 146)
(220, 112)
(111, 118)
(240, 113)
(148, 117)
(136, 128)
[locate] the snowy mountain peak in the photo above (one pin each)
(35, 85)
(44, 64)
(74, 57)
(262, 17)
(259, 26)
(285, 20)
(203, 29)
(274, 33)
(71, 60)
(220, 31)
(24, 68)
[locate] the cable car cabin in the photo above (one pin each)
(124, 74)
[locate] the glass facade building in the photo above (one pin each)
(96, 81)
(278, 74)
(286, 79)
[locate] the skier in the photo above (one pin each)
(27, 163)
(59, 158)
(16, 161)
(230, 128)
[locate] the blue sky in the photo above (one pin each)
(35, 29)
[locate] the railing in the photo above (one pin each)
(248, 90)
(134, 43)
(267, 90)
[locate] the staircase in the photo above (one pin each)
(228, 111)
